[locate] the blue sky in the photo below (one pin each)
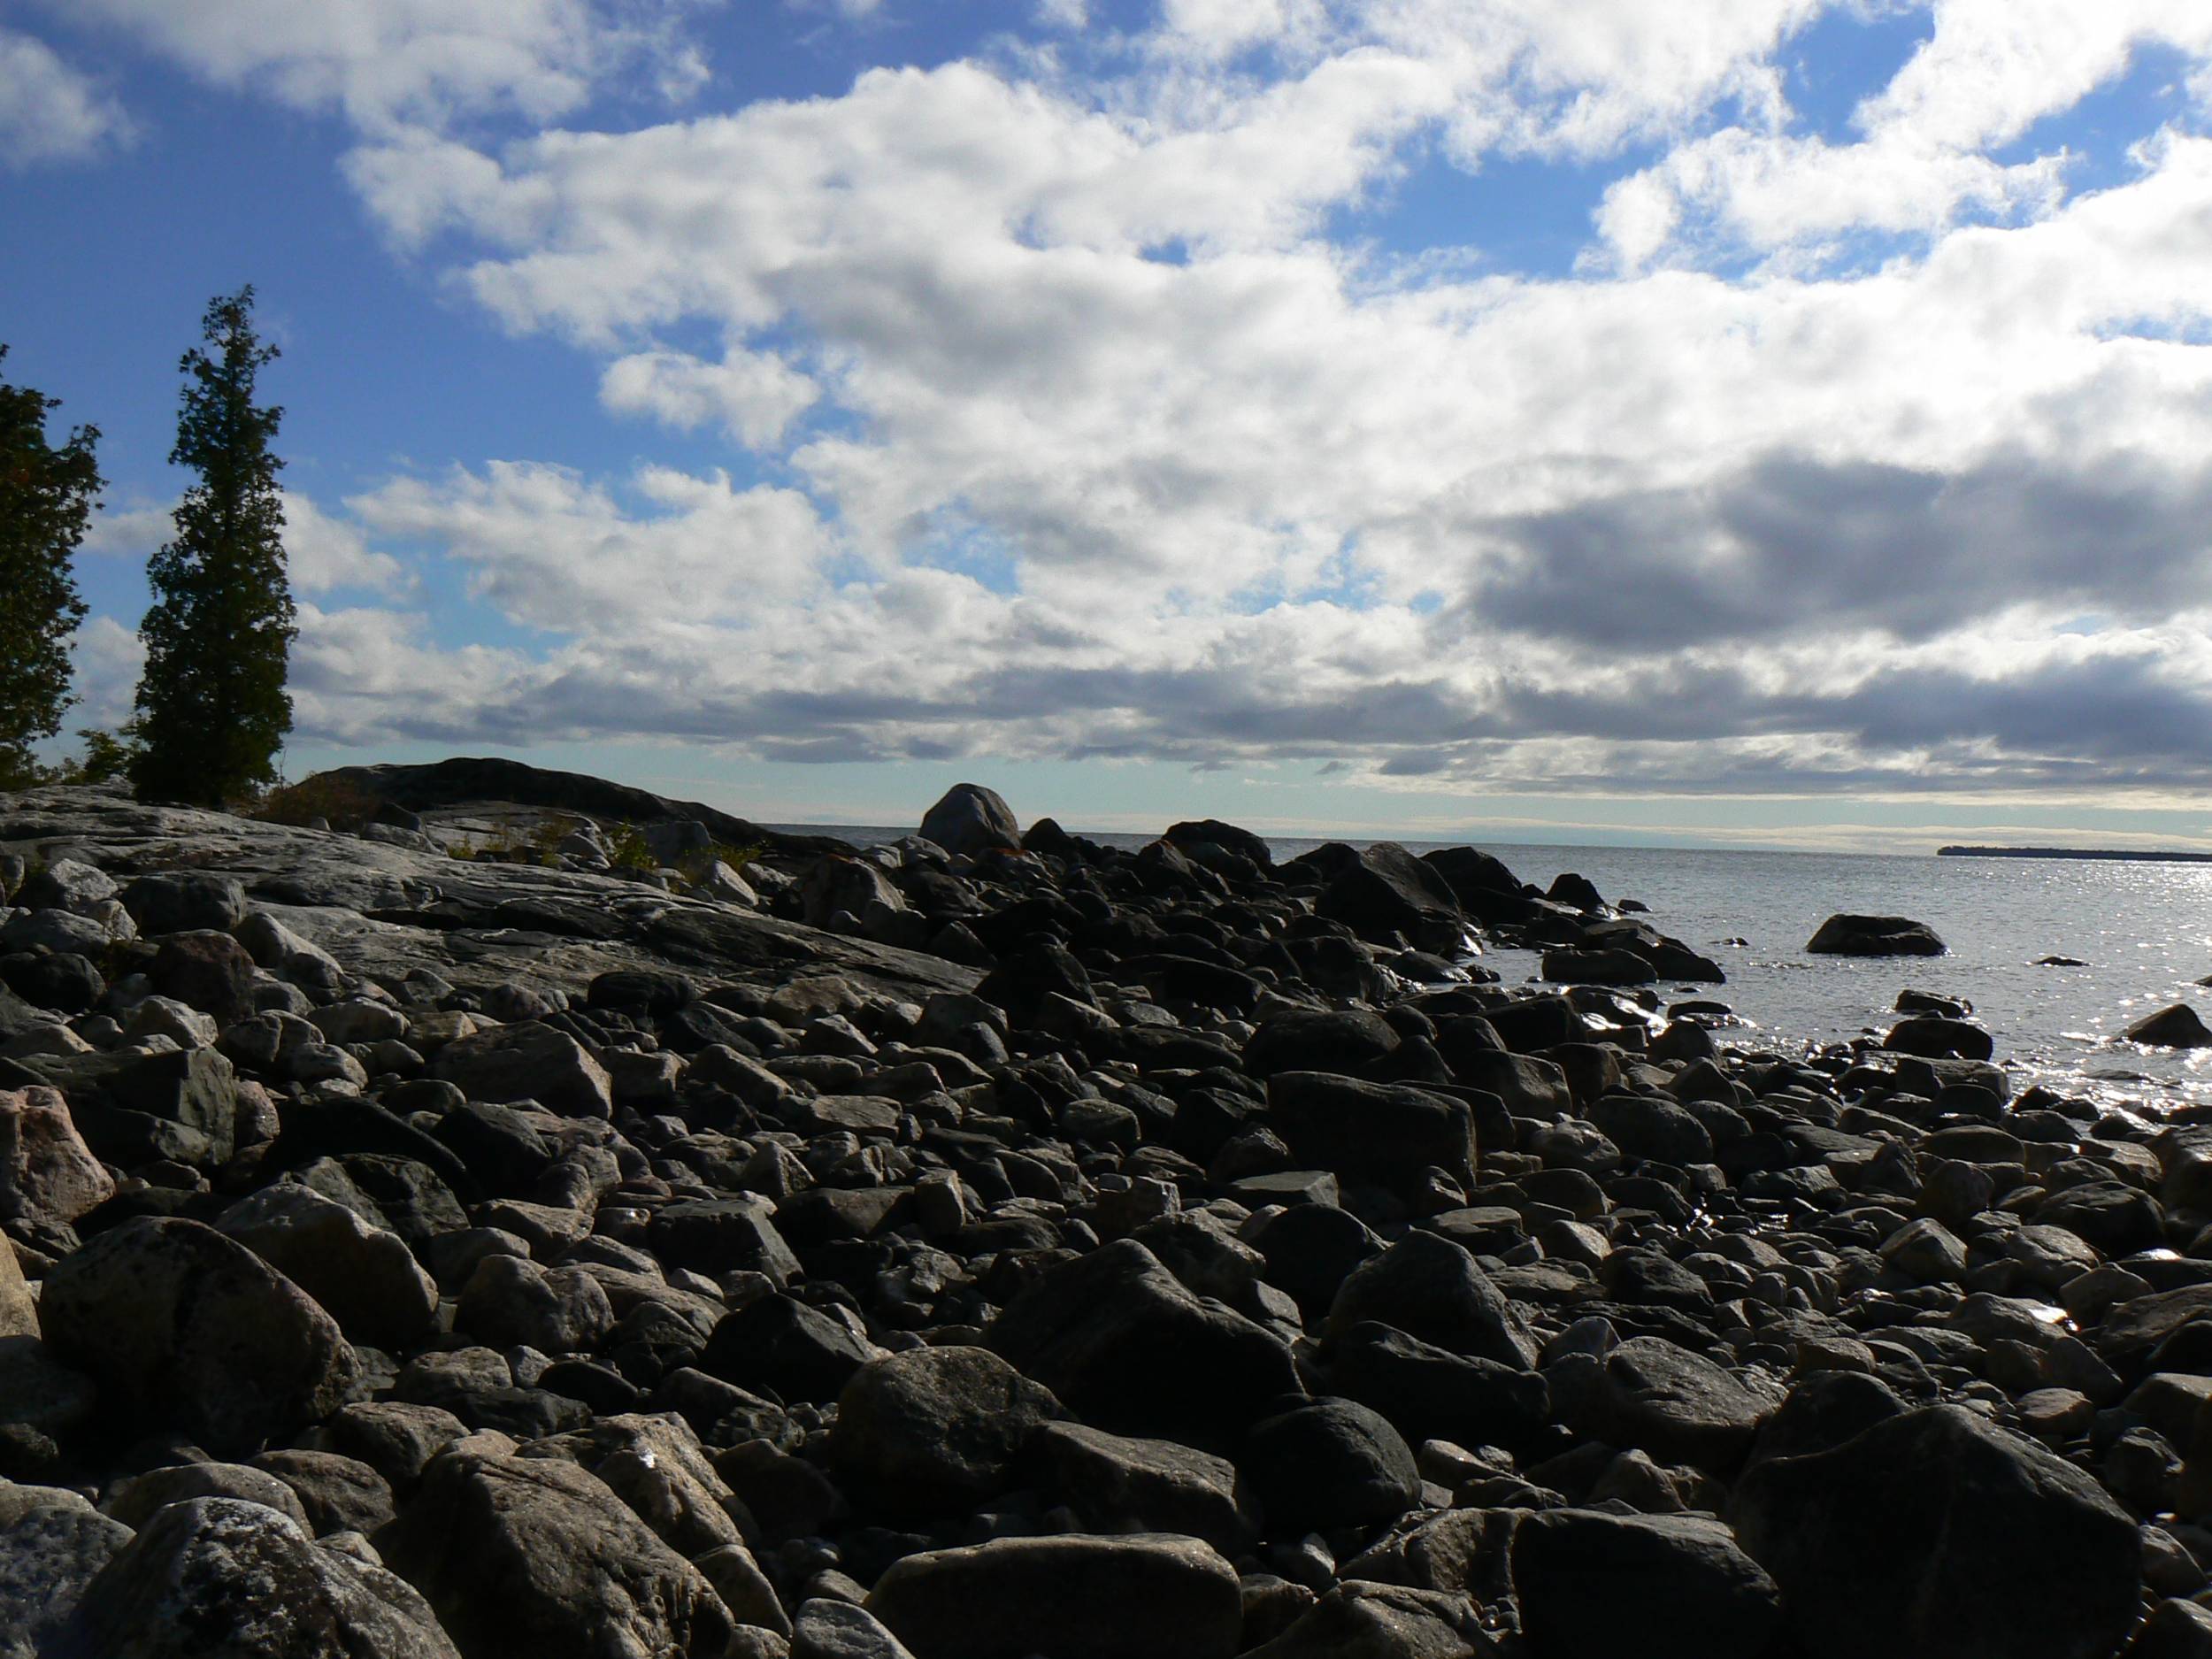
(1774, 422)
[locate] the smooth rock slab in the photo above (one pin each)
(224, 1579)
(1071, 1597)
(179, 1325)
(1934, 1535)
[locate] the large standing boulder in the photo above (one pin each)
(227, 1578)
(1846, 935)
(48, 1175)
(1073, 1597)
(1661, 1587)
(929, 1428)
(971, 819)
(1935, 1535)
(181, 1326)
(1122, 1342)
(536, 1555)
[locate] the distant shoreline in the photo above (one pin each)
(2106, 855)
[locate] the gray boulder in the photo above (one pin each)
(48, 1175)
(535, 1555)
(181, 1326)
(528, 1062)
(970, 819)
(1848, 935)
(933, 1429)
(52, 1544)
(224, 1579)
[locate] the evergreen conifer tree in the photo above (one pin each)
(213, 709)
(46, 496)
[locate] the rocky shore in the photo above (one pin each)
(1000, 1245)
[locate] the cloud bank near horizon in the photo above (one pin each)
(1099, 392)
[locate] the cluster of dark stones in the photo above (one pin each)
(1001, 1244)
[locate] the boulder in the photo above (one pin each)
(1434, 1290)
(1072, 1597)
(1330, 1463)
(223, 1577)
(363, 1276)
(181, 1326)
(206, 970)
(536, 1555)
(531, 1062)
(1383, 892)
(1848, 935)
(1679, 1406)
(2175, 1027)
(511, 1302)
(1358, 1620)
(48, 1176)
(1661, 1587)
(52, 1544)
(934, 1429)
(1384, 1133)
(1936, 1534)
(1122, 1342)
(1340, 1041)
(1119, 1484)
(829, 1629)
(184, 901)
(969, 819)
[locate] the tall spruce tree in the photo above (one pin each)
(213, 709)
(46, 497)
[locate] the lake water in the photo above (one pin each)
(2144, 932)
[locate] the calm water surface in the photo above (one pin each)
(2143, 932)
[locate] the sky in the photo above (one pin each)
(1760, 422)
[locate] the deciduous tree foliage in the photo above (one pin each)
(46, 498)
(212, 708)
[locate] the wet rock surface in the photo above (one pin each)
(1002, 1243)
